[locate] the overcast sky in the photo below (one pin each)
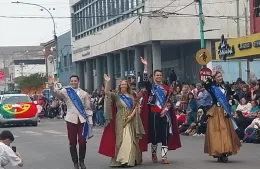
(25, 32)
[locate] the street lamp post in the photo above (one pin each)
(54, 29)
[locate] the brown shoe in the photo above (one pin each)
(154, 158)
(165, 161)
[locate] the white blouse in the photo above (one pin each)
(7, 155)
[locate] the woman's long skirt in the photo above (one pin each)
(221, 137)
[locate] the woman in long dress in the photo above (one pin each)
(221, 139)
(121, 135)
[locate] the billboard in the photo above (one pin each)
(2, 75)
(238, 48)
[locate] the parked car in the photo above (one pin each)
(18, 109)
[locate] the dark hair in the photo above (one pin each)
(193, 84)
(239, 113)
(217, 72)
(6, 134)
(74, 76)
(191, 94)
(157, 70)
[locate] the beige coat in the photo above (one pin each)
(72, 113)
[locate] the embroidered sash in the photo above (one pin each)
(127, 100)
(224, 103)
(161, 98)
(87, 131)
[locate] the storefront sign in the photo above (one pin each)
(224, 49)
(256, 43)
(243, 46)
(84, 50)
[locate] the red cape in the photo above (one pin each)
(144, 117)
(173, 141)
(107, 145)
(108, 140)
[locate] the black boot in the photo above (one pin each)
(82, 153)
(74, 156)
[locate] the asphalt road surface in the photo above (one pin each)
(46, 147)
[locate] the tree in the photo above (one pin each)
(33, 81)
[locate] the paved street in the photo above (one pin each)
(46, 147)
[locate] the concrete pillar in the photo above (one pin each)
(123, 63)
(148, 57)
(80, 72)
(99, 72)
(156, 51)
(183, 75)
(89, 75)
(110, 70)
(138, 64)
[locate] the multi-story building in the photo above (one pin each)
(254, 16)
(26, 67)
(10, 53)
(67, 67)
(109, 36)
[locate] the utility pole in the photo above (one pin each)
(202, 40)
(246, 29)
(238, 35)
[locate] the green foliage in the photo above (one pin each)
(33, 81)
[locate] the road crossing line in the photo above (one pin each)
(32, 133)
(54, 132)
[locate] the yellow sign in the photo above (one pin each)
(238, 47)
(203, 57)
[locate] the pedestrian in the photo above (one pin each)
(221, 139)
(7, 154)
(124, 130)
(161, 117)
(78, 118)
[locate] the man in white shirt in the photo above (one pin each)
(7, 155)
(75, 118)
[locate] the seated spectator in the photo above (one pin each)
(180, 117)
(246, 93)
(192, 108)
(244, 107)
(254, 109)
(233, 103)
(204, 99)
(242, 123)
(201, 124)
(252, 130)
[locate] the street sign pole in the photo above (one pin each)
(202, 40)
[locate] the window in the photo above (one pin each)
(70, 58)
(65, 61)
(14, 99)
(257, 8)
(90, 13)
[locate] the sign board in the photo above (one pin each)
(204, 73)
(203, 57)
(2, 75)
(241, 47)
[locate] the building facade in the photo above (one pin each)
(109, 36)
(10, 53)
(67, 67)
(24, 67)
(254, 16)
